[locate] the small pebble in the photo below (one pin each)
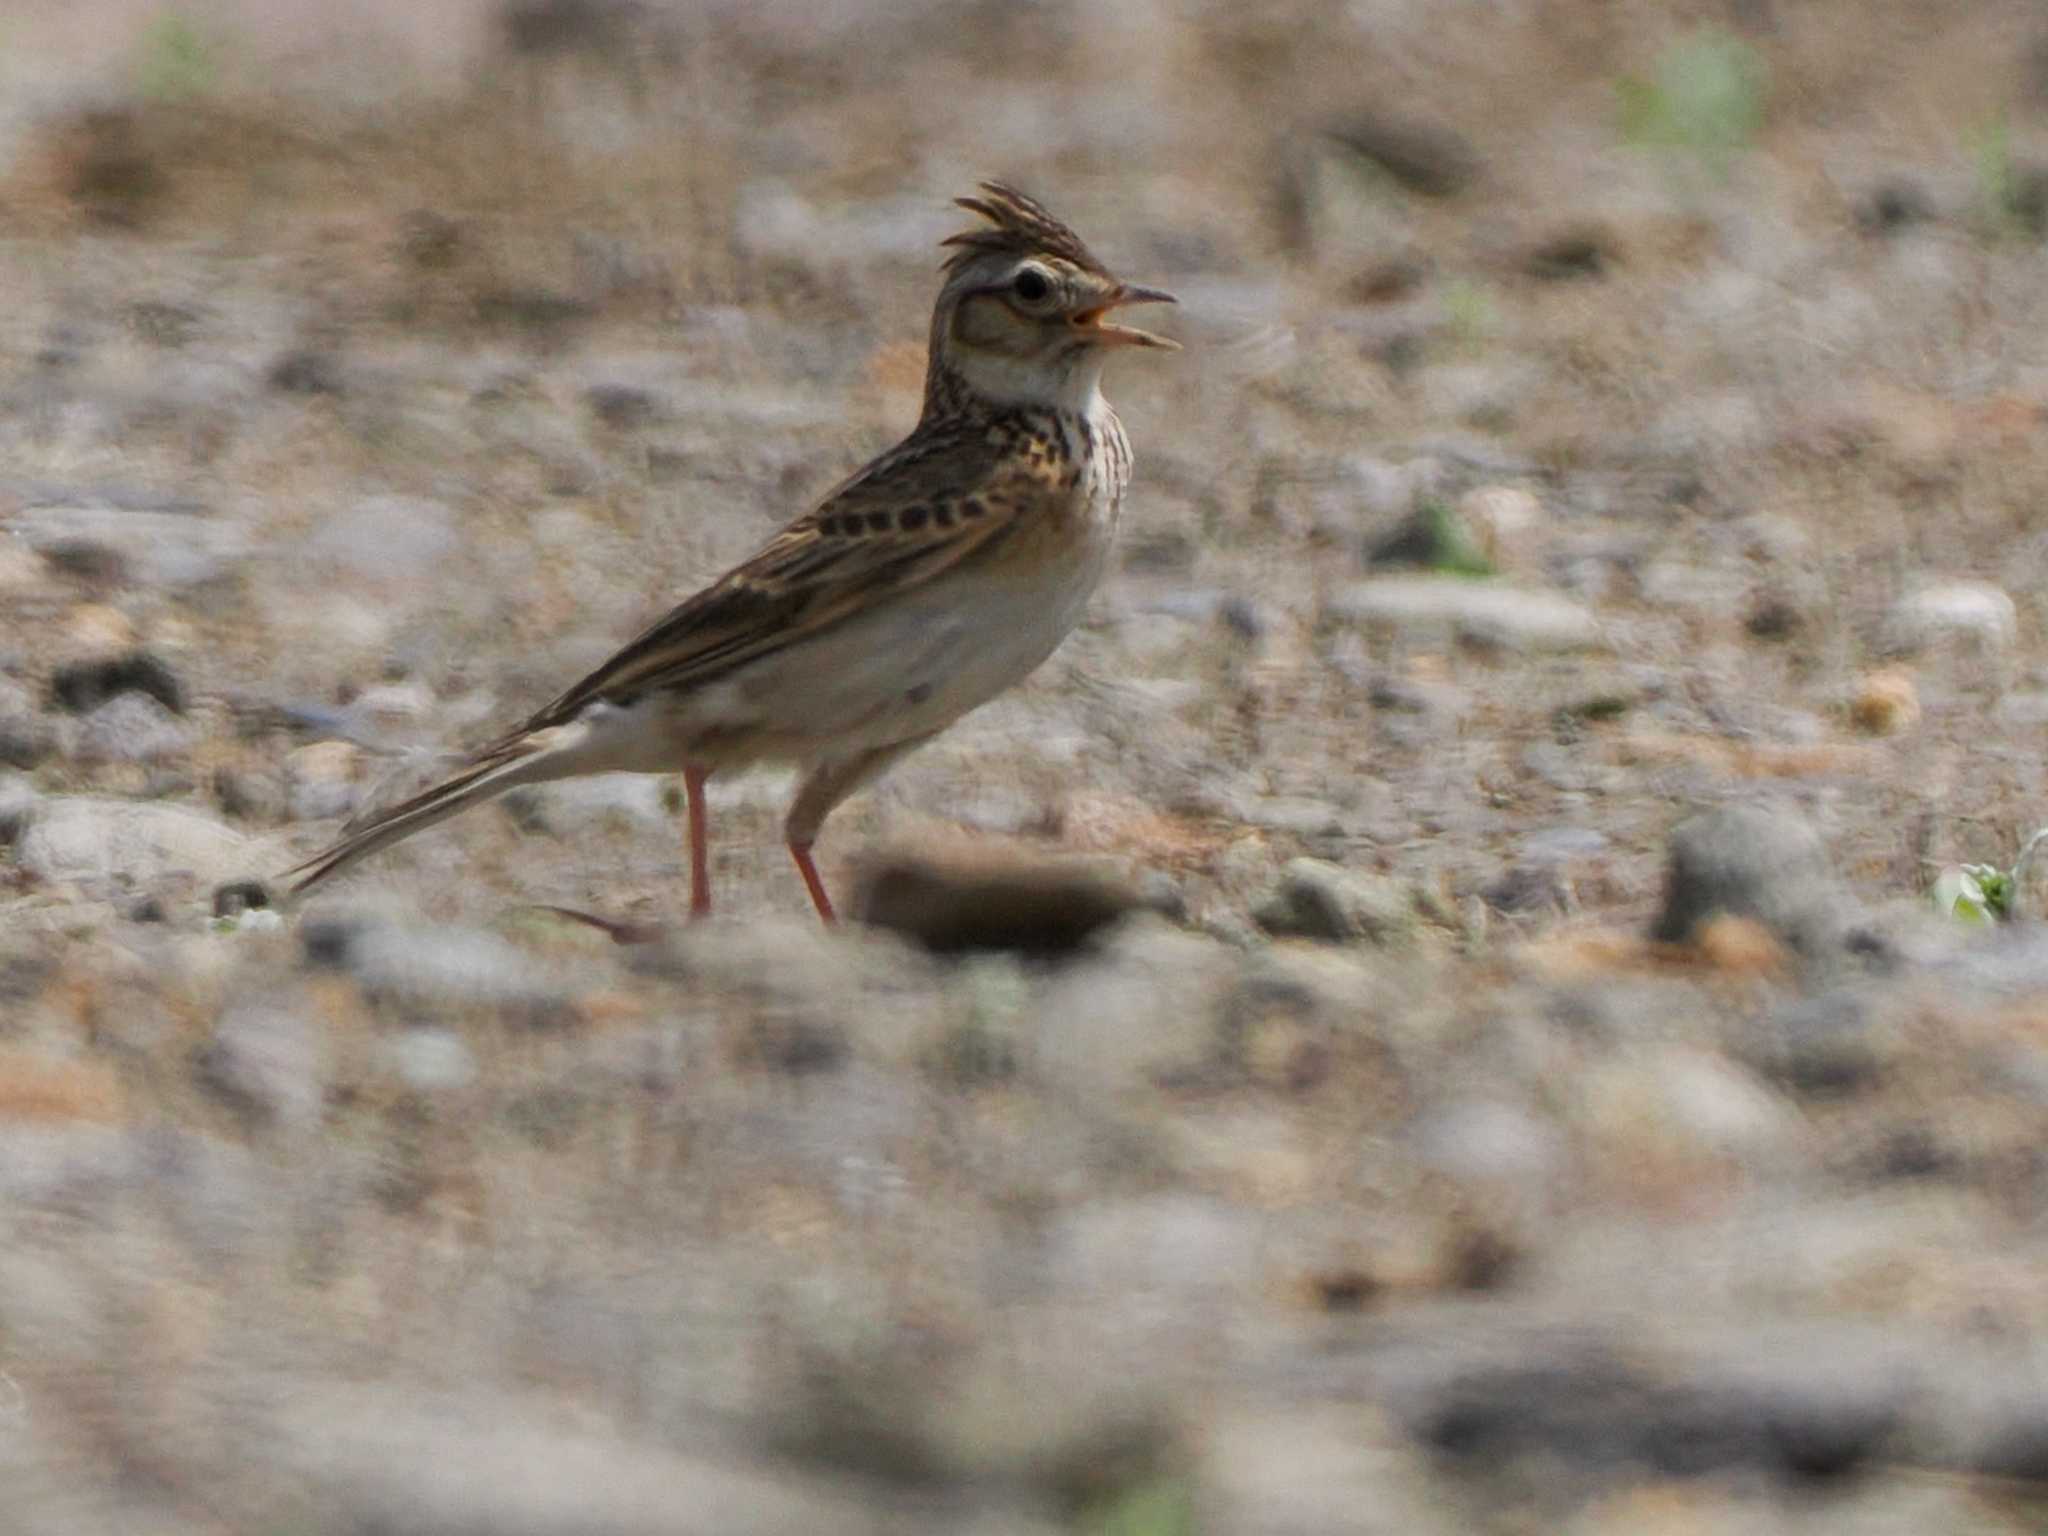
(1886, 703)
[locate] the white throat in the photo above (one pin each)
(1073, 386)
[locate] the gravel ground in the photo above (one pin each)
(1424, 1017)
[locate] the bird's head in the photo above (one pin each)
(1024, 317)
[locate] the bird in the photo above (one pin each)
(925, 584)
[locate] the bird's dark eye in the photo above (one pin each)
(1031, 286)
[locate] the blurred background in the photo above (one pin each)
(1487, 989)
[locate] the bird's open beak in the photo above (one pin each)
(1105, 334)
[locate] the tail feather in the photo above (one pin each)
(519, 761)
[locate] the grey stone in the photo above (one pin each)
(1436, 704)
(1142, 1007)
(26, 737)
(1301, 815)
(1694, 1097)
(1490, 1141)
(1384, 490)
(1558, 845)
(18, 799)
(266, 1061)
(87, 837)
(163, 551)
(431, 1060)
(1531, 886)
(1685, 585)
(387, 1459)
(1157, 1245)
(2015, 1447)
(623, 407)
(1482, 613)
(319, 785)
(386, 537)
(1830, 1044)
(1974, 612)
(251, 794)
(1757, 862)
(429, 964)
(133, 728)
(1315, 899)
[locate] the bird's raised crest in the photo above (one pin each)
(1022, 226)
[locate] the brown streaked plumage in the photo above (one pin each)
(919, 588)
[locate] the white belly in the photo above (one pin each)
(909, 669)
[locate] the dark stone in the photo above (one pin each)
(1315, 899)
(85, 685)
(1893, 205)
(160, 324)
(239, 896)
(1425, 158)
(1346, 1290)
(17, 806)
(1569, 258)
(1913, 1152)
(2027, 200)
(1774, 618)
(547, 315)
(796, 1046)
(1242, 616)
(1820, 1046)
(548, 1117)
(327, 942)
(541, 27)
(1529, 887)
(621, 406)
(305, 372)
(1393, 281)
(2018, 1448)
(1047, 909)
(115, 178)
(86, 560)
(25, 740)
(1605, 1416)
(1433, 537)
(429, 240)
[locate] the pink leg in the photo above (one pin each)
(801, 852)
(828, 783)
(700, 843)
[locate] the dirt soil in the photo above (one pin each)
(1425, 1016)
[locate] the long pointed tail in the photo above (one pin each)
(522, 760)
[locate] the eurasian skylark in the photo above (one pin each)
(929, 582)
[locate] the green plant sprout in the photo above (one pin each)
(1470, 313)
(1984, 893)
(1162, 1508)
(2010, 196)
(174, 61)
(1704, 102)
(1453, 550)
